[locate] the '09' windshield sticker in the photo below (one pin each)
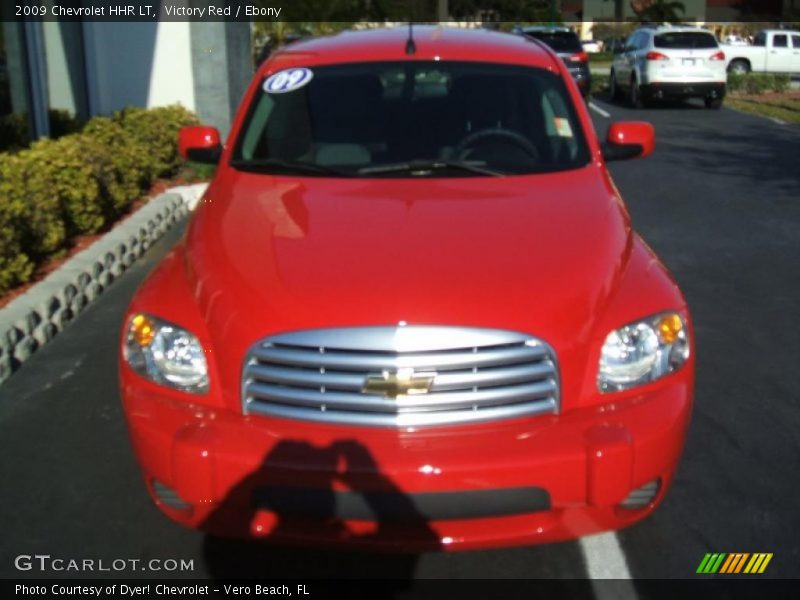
(287, 80)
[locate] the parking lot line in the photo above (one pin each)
(605, 559)
(599, 111)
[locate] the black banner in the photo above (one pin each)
(441, 589)
(381, 11)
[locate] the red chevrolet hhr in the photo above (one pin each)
(410, 312)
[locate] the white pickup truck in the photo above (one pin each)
(773, 51)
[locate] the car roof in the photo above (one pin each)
(432, 43)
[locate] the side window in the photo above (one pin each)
(780, 41)
(563, 145)
(796, 41)
(634, 42)
(253, 138)
(760, 40)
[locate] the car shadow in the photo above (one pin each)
(667, 104)
(337, 480)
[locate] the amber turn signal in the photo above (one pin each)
(143, 330)
(669, 328)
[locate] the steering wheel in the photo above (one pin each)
(511, 136)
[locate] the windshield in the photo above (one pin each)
(411, 119)
(685, 40)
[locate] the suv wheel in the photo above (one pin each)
(636, 93)
(613, 86)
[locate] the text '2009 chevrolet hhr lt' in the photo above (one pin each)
(410, 312)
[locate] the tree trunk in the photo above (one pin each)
(442, 10)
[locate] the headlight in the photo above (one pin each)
(642, 352)
(166, 354)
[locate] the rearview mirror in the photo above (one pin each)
(200, 143)
(629, 139)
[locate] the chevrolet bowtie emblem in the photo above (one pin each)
(404, 382)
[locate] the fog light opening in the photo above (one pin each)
(169, 497)
(643, 496)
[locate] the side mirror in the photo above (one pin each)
(200, 144)
(629, 139)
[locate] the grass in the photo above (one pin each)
(599, 84)
(193, 172)
(780, 106)
(601, 58)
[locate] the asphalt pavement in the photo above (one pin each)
(719, 201)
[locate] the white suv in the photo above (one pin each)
(670, 62)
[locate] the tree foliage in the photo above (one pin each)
(661, 11)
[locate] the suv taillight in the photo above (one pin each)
(656, 56)
(578, 57)
(717, 56)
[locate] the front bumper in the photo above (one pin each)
(504, 483)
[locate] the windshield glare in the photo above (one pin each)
(353, 119)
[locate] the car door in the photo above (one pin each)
(780, 54)
(619, 59)
(623, 63)
(642, 44)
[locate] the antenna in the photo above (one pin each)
(411, 47)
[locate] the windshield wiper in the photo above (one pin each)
(424, 166)
(280, 166)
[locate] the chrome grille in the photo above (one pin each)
(477, 375)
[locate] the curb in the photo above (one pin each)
(31, 320)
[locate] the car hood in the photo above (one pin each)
(540, 253)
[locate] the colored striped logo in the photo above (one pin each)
(737, 562)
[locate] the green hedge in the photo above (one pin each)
(80, 183)
(758, 83)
